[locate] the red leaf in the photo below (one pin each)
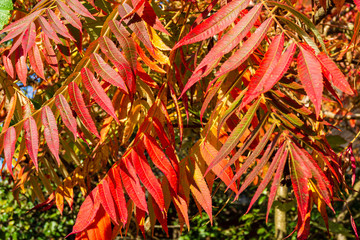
(147, 13)
(28, 41)
(353, 163)
(19, 26)
(230, 40)
(160, 216)
(100, 229)
(47, 29)
(322, 183)
(259, 148)
(8, 65)
(309, 70)
(261, 163)
(79, 8)
(107, 73)
(276, 182)
(204, 14)
(303, 225)
(51, 132)
(140, 220)
(161, 161)
(357, 3)
(166, 144)
(36, 61)
(259, 80)
(136, 25)
(49, 54)
(69, 15)
(20, 65)
(299, 174)
(87, 212)
(117, 192)
(126, 42)
(80, 108)
(64, 50)
(132, 184)
(264, 83)
(275, 162)
(66, 114)
(17, 41)
(97, 92)
(57, 25)
(111, 52)
(333, 74)
(352, 221)
(145, 77)
(32, 139)
(106, 200)
(246, 49)
(147, 177)
(9, 147)
(215, 23)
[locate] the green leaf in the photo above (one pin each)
(5, 7)
(234, 137)
(300, 31)
(305, 20)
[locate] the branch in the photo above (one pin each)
(341, 117)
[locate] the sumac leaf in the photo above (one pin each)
(87, 212)
(80, 108)
(215, 23)
(69, 15)
(107, 73)
(333, 74)
(50, 131)
(126, 42)
(117, 192)
(79, 8)
(309, 70)
(32, 139)
(106, 200)
(147, 177)
(57, 25)
(97, 92)
(161, 161)
(230, 40)
(9, 147)
(132, 184)
(36, 61)
(48, 30)
(66, 114)
(246, 49)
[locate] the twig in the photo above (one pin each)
(341, 117)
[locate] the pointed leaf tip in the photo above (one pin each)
(97, 92)
(309, 70)
(215, 23)
(80, 108)
(66, 114)
(9, 148)
(32, 139)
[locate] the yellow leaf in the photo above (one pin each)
(157, 41)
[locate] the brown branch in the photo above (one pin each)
(331, 115)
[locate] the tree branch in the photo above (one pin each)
(341, 117)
